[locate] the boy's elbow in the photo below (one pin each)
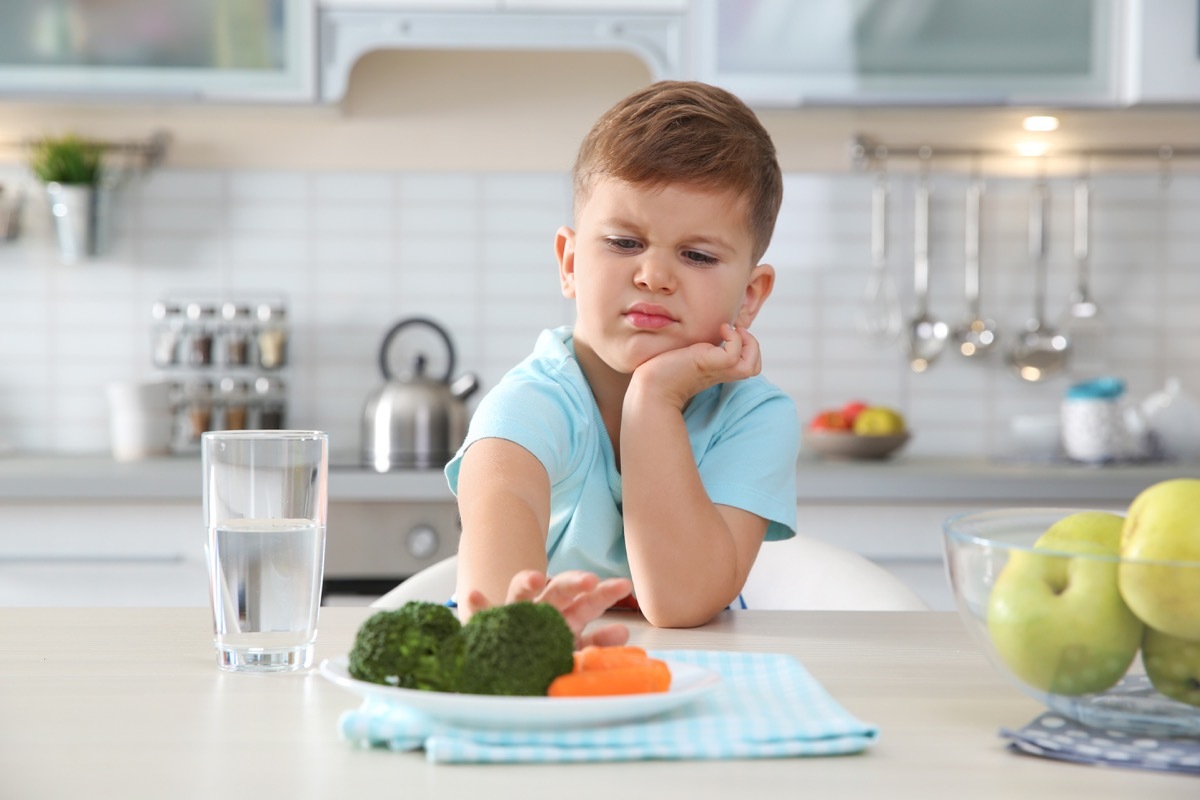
(665, 616)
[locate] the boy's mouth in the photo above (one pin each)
(647, 316)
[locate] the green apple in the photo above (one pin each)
(879, 421)
(1173, 665)
(1055, 614)
(1164, 525)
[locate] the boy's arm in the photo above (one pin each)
(504, 503)
(689, 556)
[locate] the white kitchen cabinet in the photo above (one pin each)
(1164, 51)
(350, 31)
(224, 50)
(97, 553)
(906, 538)
(794, 52)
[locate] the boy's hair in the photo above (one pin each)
(691, 133)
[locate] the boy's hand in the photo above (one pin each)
(581, 597)
(679, 375)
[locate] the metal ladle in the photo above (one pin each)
(1083, 305)
(977, 335)
(1041, 351)
(880, 317)
(926, 335)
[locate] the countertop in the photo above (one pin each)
(900, 480)
(130, 703)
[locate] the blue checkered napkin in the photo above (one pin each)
(766, 706)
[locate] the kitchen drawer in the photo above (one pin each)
(99, 530)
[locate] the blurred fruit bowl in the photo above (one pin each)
(847, 445)
(1054, 619)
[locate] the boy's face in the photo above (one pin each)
(653, 270)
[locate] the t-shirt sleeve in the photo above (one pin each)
(531, 413)
(751, 463)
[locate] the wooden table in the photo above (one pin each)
(129, 703)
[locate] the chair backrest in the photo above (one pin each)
(803, 573)
(800, 573)
(434, 584)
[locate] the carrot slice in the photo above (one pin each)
(650, 676)
(593, 657)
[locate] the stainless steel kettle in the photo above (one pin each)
(415, 421)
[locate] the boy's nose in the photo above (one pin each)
(654, 274)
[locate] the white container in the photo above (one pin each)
(141, 419)
(1094, 425)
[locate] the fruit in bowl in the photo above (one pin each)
(857, 430)
(1064, 602)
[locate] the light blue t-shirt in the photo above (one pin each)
(744, 435)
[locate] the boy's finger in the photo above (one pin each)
(476, 601)
(613, 634)
(526, 585)
(560, 590)
(587, 606)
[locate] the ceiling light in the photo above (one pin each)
(1032, 148)
(1040, 124)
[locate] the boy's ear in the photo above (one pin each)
(564, 248)
(758, 289)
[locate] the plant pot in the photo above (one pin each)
(79, 220)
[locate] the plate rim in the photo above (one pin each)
(507, 711)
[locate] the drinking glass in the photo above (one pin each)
(265, 498)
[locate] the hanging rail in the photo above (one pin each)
(866, 153)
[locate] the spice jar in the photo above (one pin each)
(271, 403)
(234, 402)
(198, 406)
(198, 334)
(234, 335)
(165, 334)
(272, 336)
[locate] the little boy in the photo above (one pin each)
(639, 444)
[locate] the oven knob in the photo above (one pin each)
(422, 542)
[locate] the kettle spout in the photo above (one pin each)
(464, 386)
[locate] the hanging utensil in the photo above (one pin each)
(1083, 305)
(926, 335)
(1041, 351)
(976, 336)
(880, 316)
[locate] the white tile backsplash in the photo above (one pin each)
(353, 252)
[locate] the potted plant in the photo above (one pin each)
(71, 168)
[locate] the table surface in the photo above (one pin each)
(129, 703)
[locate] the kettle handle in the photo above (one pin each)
(401, 325)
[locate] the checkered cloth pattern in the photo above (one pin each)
(766, 706)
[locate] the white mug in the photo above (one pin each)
(140, 419)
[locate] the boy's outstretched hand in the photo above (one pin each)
(581, 597)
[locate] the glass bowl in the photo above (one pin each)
(1055, 623)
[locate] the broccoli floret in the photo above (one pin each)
(515, 649)
(416, 646)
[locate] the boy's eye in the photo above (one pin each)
(701, 259)
(623, 243)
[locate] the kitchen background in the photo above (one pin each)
(433, 186)
(385, 208)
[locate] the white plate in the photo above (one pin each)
(688, 682)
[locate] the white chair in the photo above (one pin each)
(803, 573)
(798, 573)
(434, 584)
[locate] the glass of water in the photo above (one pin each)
(265, 498)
